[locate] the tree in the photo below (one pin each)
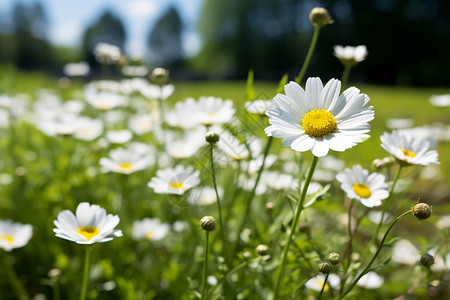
(164, 40)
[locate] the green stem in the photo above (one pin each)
(87, 260)
(205, 265)
(252, 195)
(222, 228)
(385, 207)
(315, 37)
(345, 75)
(375, 255)
(350, 237)
(18, 287)
(323, 286)
(294, 225)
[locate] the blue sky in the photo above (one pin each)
(68, 18)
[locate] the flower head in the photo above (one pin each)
(174, 181)
(151, 229)
(14, 235)
(90, 225)
(407, 149)
(318, 118)
(316, 283)
(349, 55)
(367, 188)
(125, 161)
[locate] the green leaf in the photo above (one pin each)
(282, 83)
(250, 91)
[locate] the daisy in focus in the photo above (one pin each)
(358, 184)
(409, 150)
(14, 235)
(318, 118)
(89, 225)
(174, 181)
(350, 56)
(151, 229)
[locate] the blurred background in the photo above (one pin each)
(408, 41)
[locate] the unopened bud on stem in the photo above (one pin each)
(422, 211)
(319, 17)
(208, 223)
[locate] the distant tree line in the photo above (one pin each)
(408, 41)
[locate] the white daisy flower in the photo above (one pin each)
(369, 189)
(90, 225)
(405, 253)
(278, 181)
(440, 100)
(349, 55)
(407, 149)
(103, 100)
(141, 124)
(206, 111)
(77, 69)
(186, 145)
(106, 53)
(258, 107)
(125, 161)
(119, 136)
(318, 119)
(151, 229)
(316, 283)
(153, 91)
(206, 196)
(399, 123)
(14, 235)
(370, 280)
(88, 129)
(174, 181)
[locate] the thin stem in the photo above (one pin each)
(87, 260)
(18, 287)
(323, 286)
(350, 237)
(345, 75)
(205, 264)
(252, 195)
(375, 255)
(222, 228)
(308, 55)
(385, 207)
(294, 225)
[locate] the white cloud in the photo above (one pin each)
(68, 34)
(141, 9)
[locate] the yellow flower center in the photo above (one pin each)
(9, 238)
(362, 190)
(125, 166)
(318, 123)
(321, 283)
(88, 231)
(149, 235)
(408, 153)
(176, 185)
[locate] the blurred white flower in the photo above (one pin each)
(443, 222)
(77, 69)
(358, 184)
(349, 55)
(150, 229)
(278, 181)
(88, 129)
(408, 149)
(318, 118)
(186, 145)
(64, 125)
(106, 53)
(153, 91)
(405, 253)
(237, 149)
(316, 283)
(440, 100)
(14, 235)
(206, 111)
(174, 181)
(90, 225)
(125, 161)
(135, 71)
(258, 107)
(119, 136)
(399, 123)
(370, 280)
(207, 196)
(141, 124)
(103, 100)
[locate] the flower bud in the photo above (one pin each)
(334, 258)
(422, 211)
(270, 207)
(325, 266)
(159, 76)
(208, 223)
(427, 260)
(319, 17)
(212, 137)
(262, 250)
(247, 255)
(383, 163)
(54, 273)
